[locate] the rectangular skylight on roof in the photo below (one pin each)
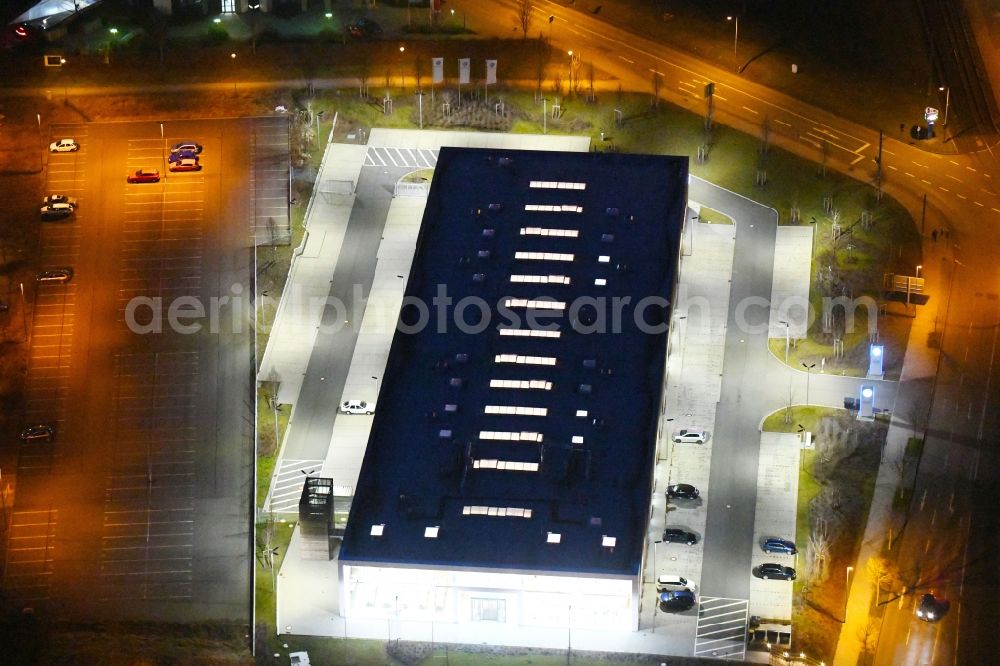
(544, 231)
(522, 384)
(431, 532)
(515, 411)
(541, 279)
(528, 333)
(377, 530)
(600, 282)
(524, 360)
(608, 542)
(505, 465)
(545, 208)
(604, 259)
(509, 436)
(544, 256)
(577, 439)
(581, 413)
(556, 185)
(507, 511)
(537, 305)
(553, 537)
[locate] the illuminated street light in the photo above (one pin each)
(113, 31)
(919, 267)
(947, 99)
(232, 56)
(328, 15)
(216, 20)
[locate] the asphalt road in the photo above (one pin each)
(140, 508)
(330, 361)
(940, 552)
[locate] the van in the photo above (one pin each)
(673, 582)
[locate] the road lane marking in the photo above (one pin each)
(631, 62)
(892, 167)
(656, 72)
(957, 180)
(751, 110)
(685, 83)
(782, 122)
(857, 159)
(718, 96)
(888, 152)
(924, 166)
(909, 174)
(954, 162)
(979, 204)
(925, 181)
(961, 196)
(943, 189)
(971, 169)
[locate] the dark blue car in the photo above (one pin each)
(778, 545)
(182, 155)
(673, 601)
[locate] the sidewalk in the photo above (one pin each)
(920, 362)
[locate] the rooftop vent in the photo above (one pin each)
(585, 389)
(590, 363)
(455, 382)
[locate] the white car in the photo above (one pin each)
(357, 407)
(673, 582)
(691, 435)
(64, 146)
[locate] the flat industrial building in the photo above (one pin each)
(509, 468)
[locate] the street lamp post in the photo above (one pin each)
(787, 339)
(736, 33)
(545, 113)
(919, 267)
(232, 56)
(947, 100)
(847, 592)
(808, 368)
(376, 387)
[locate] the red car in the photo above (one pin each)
(144, 176)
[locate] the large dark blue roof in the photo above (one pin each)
(431, 425)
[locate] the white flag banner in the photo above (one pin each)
(437, 70)
(463, 70)
(491, 71)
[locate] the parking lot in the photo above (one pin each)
(144, 493)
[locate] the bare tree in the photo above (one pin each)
(522, 15)
(884, 574)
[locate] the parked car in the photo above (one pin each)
(666, 582)
(364, 27)
(931, 609)
(144, 176)
(675, 535)
(186, 146)
(178, 155)
(674, 601)
(55, 275)
(778, 545)
(190, 164)
(57, 211)
(682, 491)
(64, 146)
(59, 199)
(772, 570)
(40, 432)
(691, 435)
(357, 407)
